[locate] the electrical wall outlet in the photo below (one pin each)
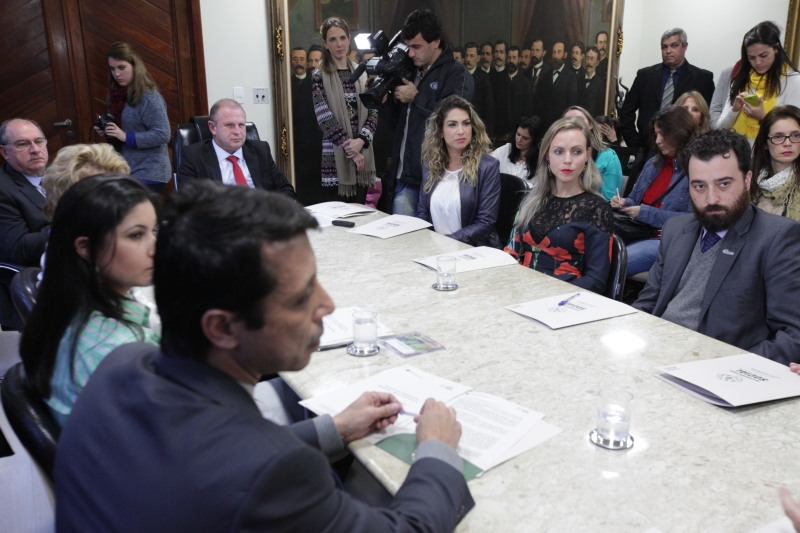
(238, 94)
(260, 95)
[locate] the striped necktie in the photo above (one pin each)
(669, 90)
(708, 241)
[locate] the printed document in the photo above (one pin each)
(581, 309)
(339, 209)
(391, 226)
(337, 328)
(472, 259)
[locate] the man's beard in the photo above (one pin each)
(556, 63)
(511, 68)
(729, 216)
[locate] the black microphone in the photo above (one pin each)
(358, 72)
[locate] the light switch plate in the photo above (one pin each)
(238, 94)
(260, 95)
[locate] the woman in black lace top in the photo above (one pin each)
(564, 228)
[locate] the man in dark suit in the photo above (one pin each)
(517, 102)
(239, 299)
(730, 270)
(601, 42)
(539, 66)
(594, 85)
(557, 90)
(229, 157)
(673, 77)
(483, 98)
(306, 133)
(23, 227)
(577, 55)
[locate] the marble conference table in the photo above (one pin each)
(694, 466)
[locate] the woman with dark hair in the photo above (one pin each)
(101, 246)
(348, 164)
(776, 163)
(610, 128)
(662, 190)
(564, 226)
(140, 124)
(605, 158)
(765, 71)
(519, 158)
(460, 191)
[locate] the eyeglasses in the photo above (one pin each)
(24, 145)
(778, 138)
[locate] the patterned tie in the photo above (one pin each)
(669, 90)
(238, 175)
(709, 240)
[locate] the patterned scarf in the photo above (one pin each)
(781, 189)
(119, 97)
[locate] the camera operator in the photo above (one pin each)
(439, 75)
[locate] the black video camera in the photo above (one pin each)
(104, 120)
(390, 65)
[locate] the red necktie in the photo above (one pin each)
(238, 175)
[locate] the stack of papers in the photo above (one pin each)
(493, 430)
(327, 212)
(472, 259)
(733, 381)
(337, 329)
(391, 226)
(585, 307)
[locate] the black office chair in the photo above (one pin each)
(23, 291)
(512, 190)
(9, 317)
(30, 418)
(615, 286)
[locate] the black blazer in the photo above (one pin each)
(483, 99)
(580, 78)
(520, 101)
(645, 97)
(535, 81)
(23, 227)
(199, 160)
(193, 453)
(594, 95)
(552, 99)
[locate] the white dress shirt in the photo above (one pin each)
(519, 170)
(226, 167)
(446, 204)
(36, 181)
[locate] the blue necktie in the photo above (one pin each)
(709, 240)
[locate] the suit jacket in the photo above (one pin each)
(199, 160)
(594, 95)
(479, 205)
(552, 99)
(536, 79)
(517, 102)
(483, 99)
(23, 227)
(645, 97)
(193, 453)
(751, 297)
(580, 78)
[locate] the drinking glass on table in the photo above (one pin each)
(613, 420)
(445, 273)
(365, 334)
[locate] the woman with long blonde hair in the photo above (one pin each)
(564, 226)
(605, 159)
(695, 104)
(460, 191)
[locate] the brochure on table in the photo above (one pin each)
(735, 380)
(782, 525)
(337, 328)
(494, 430)
(339, 209)
(391, 226)
(570, 310)
(472, 259)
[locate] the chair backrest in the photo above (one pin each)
(626, 157)
(30, 418)
(23, 291)
(203, 132)
(615, 286)
(185, 134)
(512, 190)
(8, 271)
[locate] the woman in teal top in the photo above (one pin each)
(605, 159)
(101, 246)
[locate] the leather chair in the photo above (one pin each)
(9, 318)
(512, 190)
(30, 418)
(615, 286)
(23, 291)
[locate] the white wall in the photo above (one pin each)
(235, 41)
(715, 30)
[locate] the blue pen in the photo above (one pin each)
(562, 302)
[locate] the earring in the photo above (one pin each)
(549, 170)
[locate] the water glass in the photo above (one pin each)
(365, 334)
(613, 420)
(445, 273)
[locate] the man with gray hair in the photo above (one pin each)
(231, 158)
(660, 85)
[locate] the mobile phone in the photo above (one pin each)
(752, 99)
(344, 223)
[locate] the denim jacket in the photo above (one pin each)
(674, 204)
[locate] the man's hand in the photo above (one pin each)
(353, 146)
(436, 421)
(632, 211)
(112, 130)
(406, 92)
(372, 411)
(791, 508)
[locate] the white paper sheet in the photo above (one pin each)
(782, 525)
(472, 259)
(587, 307)
(322, 220)
(339, 209)
(735, 380)
(391, 226)
(540, 433)
(337, 328)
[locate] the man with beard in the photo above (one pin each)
(558, 89)
(483, 98)
(730, 270)
(314, 56)
(594, 85)
(517, 102)
(538, 66)
(486, 57)
(306, 133)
